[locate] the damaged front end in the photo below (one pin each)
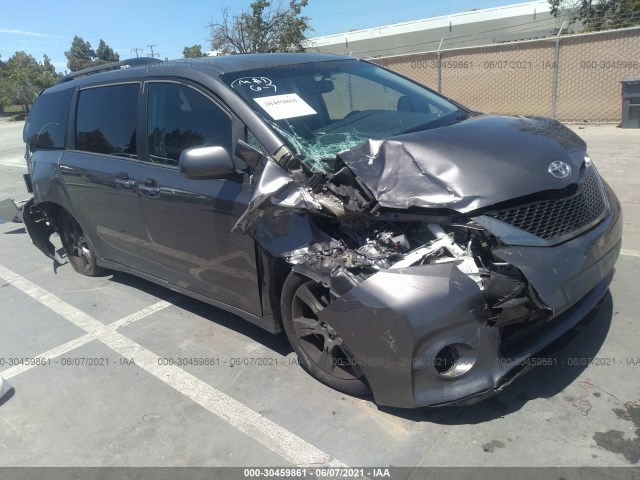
(434, 307)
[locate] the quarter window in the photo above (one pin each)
(47, 122)
(178, 118)
(106, 120)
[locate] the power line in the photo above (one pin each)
(152, 54)
(136, 50)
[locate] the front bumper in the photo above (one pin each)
(397, 321)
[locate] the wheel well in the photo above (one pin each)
(52, 210)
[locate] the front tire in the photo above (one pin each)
(77, 246)
(320, 349)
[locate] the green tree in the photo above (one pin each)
(105, 54)
(261, 29)
(22, 77)
(194, 51)
(596, 15)
(81, 55)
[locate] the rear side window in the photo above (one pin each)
(179, 117)
(106, 120)
(47, 121)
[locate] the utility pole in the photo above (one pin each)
(439, 64)
(136, 50)
(152, 55)
(556, 62)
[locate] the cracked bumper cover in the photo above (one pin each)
(396, 321)
(38, 229)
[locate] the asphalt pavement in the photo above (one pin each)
(116, 371)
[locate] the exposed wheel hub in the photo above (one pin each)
(318, 339)
(332, 333)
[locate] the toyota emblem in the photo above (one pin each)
(559, 169)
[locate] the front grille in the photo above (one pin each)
(550, 219)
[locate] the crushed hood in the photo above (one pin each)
(468, 165)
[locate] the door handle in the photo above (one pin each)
(123, 181)
(149, 189)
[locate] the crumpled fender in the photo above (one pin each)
(277, 215)
(390, 318)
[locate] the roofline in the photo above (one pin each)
(506, 11)
(131, 62)
(212, 67)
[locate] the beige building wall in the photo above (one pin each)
(517, 78)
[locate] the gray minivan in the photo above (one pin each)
(407, 246)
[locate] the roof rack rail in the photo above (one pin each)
(131, 62)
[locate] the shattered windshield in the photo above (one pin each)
(322, 108)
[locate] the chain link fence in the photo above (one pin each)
(572, 78)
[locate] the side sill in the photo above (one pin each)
(267, 322)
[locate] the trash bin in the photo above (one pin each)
(630, 102)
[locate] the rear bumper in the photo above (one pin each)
(397, 321)
(27, 182)
(39, 227)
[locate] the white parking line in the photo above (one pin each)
(13, 165)
(53, 353)
(145, 312)
(276, 438)
(84, 339)
(630, 253)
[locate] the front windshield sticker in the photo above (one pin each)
(255, 84)
(285, 106)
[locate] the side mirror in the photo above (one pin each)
(202, 163)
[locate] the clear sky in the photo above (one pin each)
(47, 27)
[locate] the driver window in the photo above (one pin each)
(179, 117)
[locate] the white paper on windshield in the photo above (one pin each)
(289, 105)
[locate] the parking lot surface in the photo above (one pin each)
(116, 371)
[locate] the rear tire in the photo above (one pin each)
(320, 349)
(77, 246)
